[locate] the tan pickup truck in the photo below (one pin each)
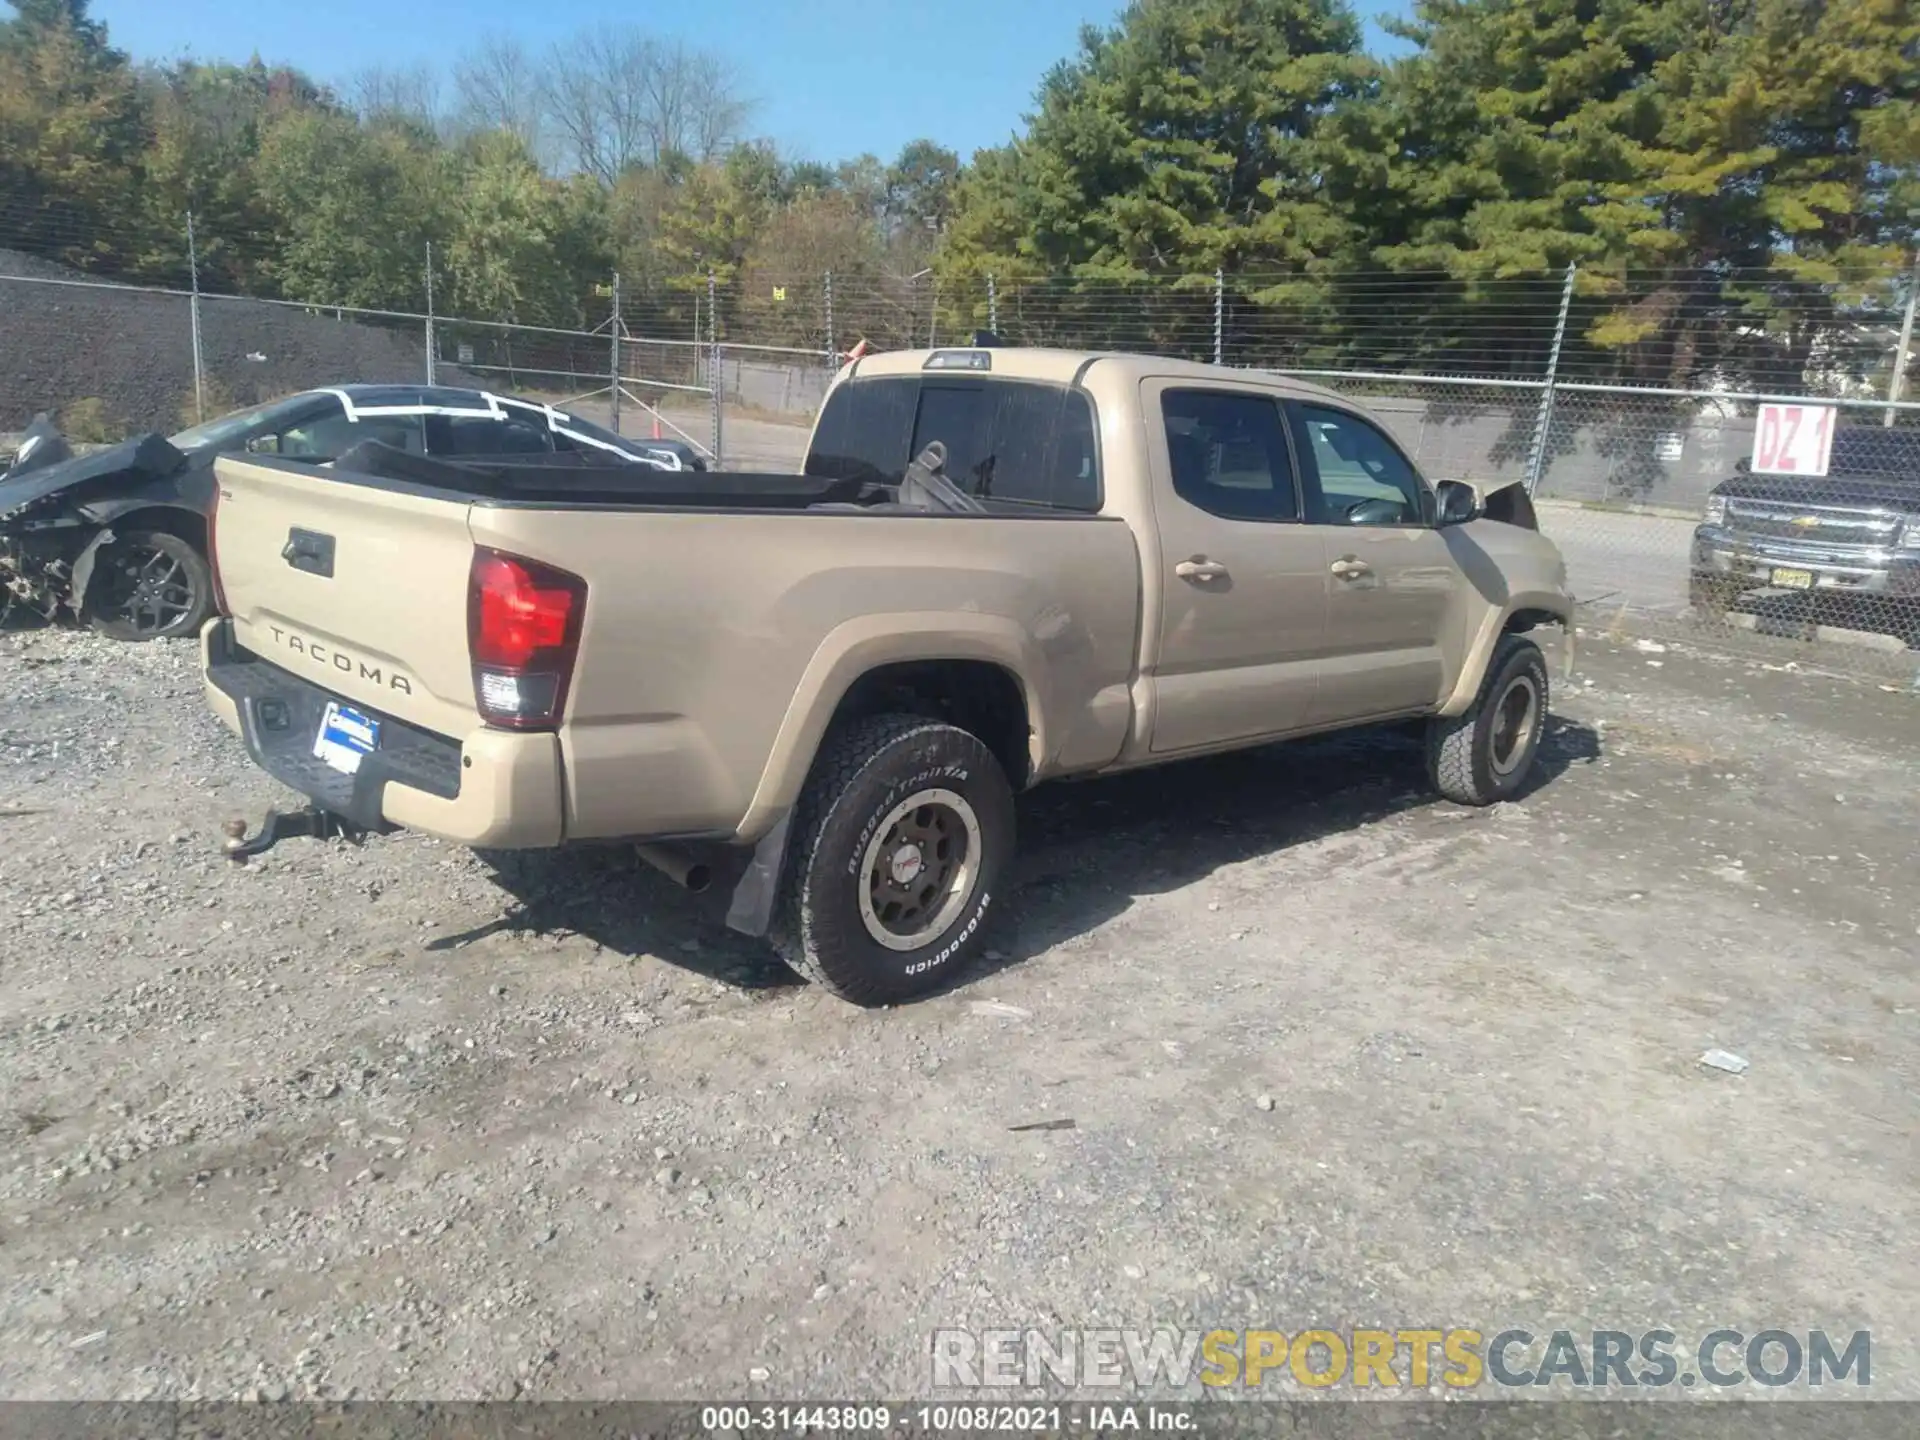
(1000, 567)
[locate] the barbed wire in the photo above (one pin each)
(1708, 328)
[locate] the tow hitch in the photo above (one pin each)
(279, 825)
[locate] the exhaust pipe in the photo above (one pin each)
(683, 870)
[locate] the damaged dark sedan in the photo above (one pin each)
(118, 536)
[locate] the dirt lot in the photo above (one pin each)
(389, 1122)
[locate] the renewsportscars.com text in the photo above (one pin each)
(1412, 1359)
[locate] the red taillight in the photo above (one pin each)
(523, 632)
(213, 550)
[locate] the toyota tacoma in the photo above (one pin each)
(999, 567)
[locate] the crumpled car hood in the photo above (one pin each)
(146, 457)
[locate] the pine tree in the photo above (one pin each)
(1180, 140)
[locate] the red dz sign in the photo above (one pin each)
(1793, 440)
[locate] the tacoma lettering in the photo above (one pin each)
(320, 654)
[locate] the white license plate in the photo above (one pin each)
(346, 737)
(1793, 579)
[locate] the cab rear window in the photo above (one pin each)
(1011, 443)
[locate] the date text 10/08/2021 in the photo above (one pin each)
(963, 1418)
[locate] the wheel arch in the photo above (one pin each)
(1528, 614)
(181, 520)
(972, 671)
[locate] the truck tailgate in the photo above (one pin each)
(359, 588)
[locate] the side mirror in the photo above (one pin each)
(1458, 503)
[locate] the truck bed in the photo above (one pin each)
(581, 479)
(723, 615)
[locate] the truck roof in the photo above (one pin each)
(1064, 367)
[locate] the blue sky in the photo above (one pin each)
(833, 78)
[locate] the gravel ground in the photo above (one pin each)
(405, 1121)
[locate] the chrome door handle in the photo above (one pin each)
(1200, 570)
(1350, 569)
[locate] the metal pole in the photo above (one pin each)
(933, 309)
(613, 372)
(833, 350)
(993, 305)
(432, 344)
(1905, 347)
(1219, 316)
(1543, 418)
(193, 313)
(714, 376)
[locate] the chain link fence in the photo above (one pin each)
(1626, 405)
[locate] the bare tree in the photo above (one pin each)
(499, 86)
(409, 93)
(701, 110)
(616, 97)
(595, 89)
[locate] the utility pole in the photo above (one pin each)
(714, 376)
(432, 344)
(193, 311)
(613, 348)
(1543, 419)
(1905, 348)
(833, 350)
(1219, 316)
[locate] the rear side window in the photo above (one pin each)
(864, 431)
(1009, 440)
(1229, 454)
(476, 435)
(330, 436)
(1012, 441)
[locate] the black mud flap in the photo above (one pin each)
(750, 911)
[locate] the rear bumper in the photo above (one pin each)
(1750, 560)
(491, 788)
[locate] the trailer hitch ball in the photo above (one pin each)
(235, 845)
(281, 825)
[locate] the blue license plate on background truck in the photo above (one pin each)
(346, 737)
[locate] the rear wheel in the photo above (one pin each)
(901, 839)
(149, 585)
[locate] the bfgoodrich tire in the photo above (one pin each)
(1486, 754)
(900, 844)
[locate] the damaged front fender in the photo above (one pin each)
(56, 508)
(133, 464)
